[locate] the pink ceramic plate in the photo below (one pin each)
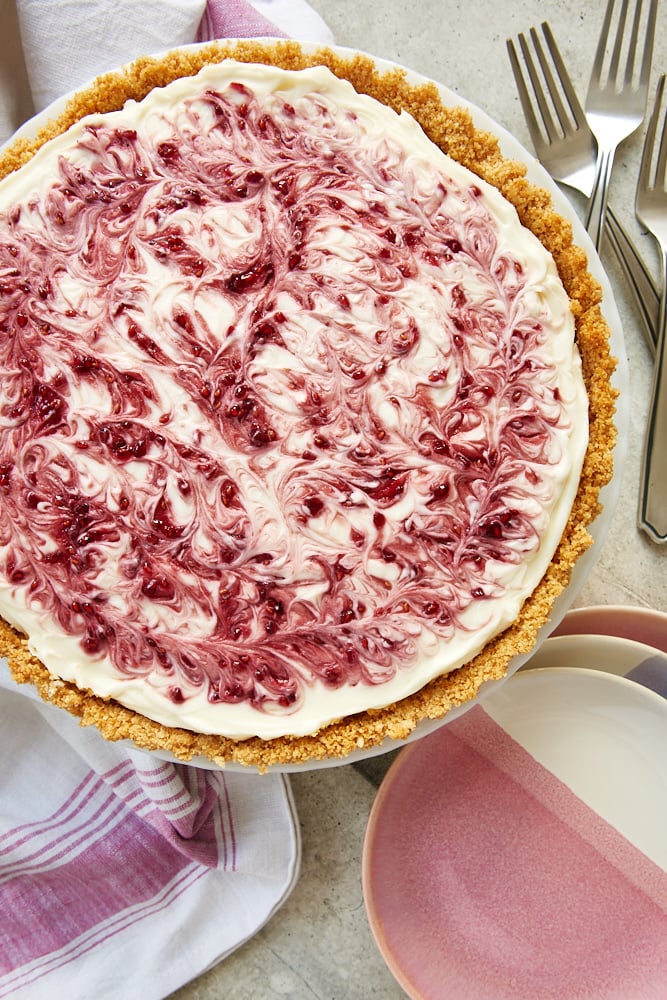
(520, 852)
(639, 624)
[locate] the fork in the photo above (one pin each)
(616, 99)
(567, 148)
(651, 209)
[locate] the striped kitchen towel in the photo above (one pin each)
(122, 874)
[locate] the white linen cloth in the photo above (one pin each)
(122, 874)
(69, 42)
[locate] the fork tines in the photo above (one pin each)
(653, 169)
(620, 46)
(562, 114)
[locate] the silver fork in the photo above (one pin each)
(566, 147)
(651, 208)
(616, 99)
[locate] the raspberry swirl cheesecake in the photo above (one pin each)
(305, 406)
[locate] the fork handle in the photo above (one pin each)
(653, 487)
(597, 203)
(638, 277)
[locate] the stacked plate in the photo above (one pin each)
(521, 851)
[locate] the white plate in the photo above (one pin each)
(512, 149)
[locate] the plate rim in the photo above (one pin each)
(587, 641)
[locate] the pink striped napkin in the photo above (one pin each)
(234, 19)
(122, 875)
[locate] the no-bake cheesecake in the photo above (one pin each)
(305, 405)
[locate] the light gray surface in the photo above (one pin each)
(319, 945)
